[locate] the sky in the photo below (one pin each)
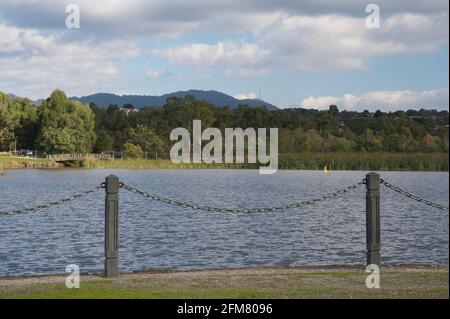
(291, 53)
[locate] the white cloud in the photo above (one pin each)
(383, 100)
(235, 58)
(37, 63)
(315, 43)
(245, 96)
(175, 17)
(158, 73)
(37, 52)
(20, 40)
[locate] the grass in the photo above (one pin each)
(25, 162)
(366, 161)
(156, 164)
(307, 161)
(300, 161)
(396, 282)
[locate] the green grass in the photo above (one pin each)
(366, 161)
(99, 293)
(240, 283)
(307, 161)
(156, 164)
(300, 161)
(24, 162)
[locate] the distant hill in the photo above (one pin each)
(13, 97)
(216, 98)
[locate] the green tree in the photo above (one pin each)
(315, 140)
(132, 151)
(146, 139)
(66, 126)
(104, 142)
(370, 142)
(59, 140)
(428, 143)
(11, 115)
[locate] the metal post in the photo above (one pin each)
(373, 218)
(111, 226)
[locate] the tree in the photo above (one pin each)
(60, 125)
(369, 142)
(104, 142)
(333, 110)
(146, 139)
(132, 151)
(11, 115)
(428, 143)
(66, 126)
(314, 140)
(59, 140)
(378, 113)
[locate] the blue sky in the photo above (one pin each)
(296, 53)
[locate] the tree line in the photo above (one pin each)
(60, 125)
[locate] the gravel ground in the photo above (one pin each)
(409, 281)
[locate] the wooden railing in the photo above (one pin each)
(77, 156)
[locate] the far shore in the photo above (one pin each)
(298, 161)
(403, 281)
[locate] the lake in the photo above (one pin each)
(155, 235)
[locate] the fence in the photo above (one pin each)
(81, 156)
(27, 153)
(112, 186)
(145, 155)
(77, 156)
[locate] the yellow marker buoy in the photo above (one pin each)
(325, 169)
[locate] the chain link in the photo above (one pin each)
(50, 204)
(412, 196)
(220, 209)
(240, 210)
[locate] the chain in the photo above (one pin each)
(412, 196)
(50, 204)
(238, 210)
(220, 209)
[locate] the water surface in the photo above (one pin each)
(156, 235)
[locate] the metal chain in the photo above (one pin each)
(50, 204)
(240, 210)
(220, 209)
(412, 196)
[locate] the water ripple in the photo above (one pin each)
(155, 235)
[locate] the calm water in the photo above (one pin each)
(155, 235)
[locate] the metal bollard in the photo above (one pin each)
(112, 226)
(373, 219)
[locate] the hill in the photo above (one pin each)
(216, 98)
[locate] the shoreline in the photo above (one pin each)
(396, 281)
(312, 268)
(427, 162)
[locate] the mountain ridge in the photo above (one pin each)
(216, 98)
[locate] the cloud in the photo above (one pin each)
(245, 96)
(158, 73)
(14, 40)
(252, 38)
(382, 100)
(175, 17)
(235, 58)
(315, 43)
(34, 63)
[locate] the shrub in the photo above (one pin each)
(132, 151)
